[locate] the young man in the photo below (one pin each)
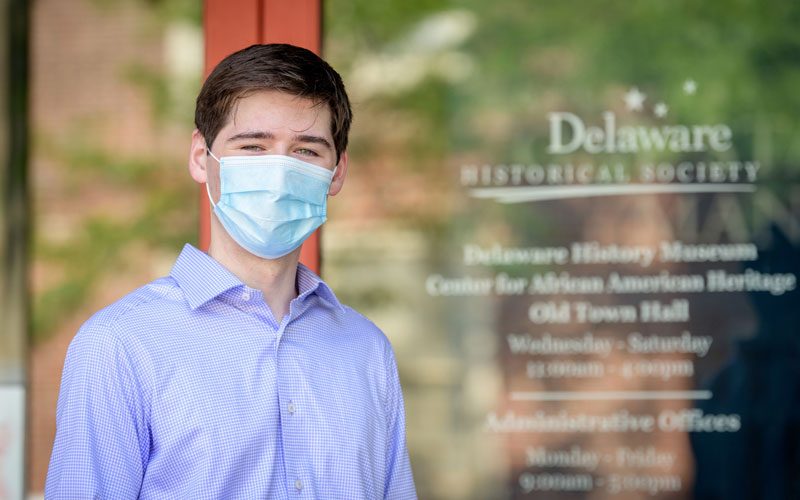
(240, 375)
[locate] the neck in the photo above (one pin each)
(276, 278)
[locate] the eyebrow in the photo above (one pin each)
(314, 139)
(255, 134)
(258, 134)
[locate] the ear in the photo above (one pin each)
(338, 177)
(198, 156)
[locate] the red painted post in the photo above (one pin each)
(228, 26)
(231, 25)
(300, 23)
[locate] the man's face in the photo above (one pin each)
(273, 122)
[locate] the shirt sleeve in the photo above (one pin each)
(102, 438)
(399, 479)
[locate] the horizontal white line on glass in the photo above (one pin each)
(609, 395)
(541, 193)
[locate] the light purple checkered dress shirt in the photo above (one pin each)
(189, 389)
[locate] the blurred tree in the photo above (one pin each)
(164, 216)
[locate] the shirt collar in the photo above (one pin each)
(308, 282)
(201, 278)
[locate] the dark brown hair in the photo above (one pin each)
(281, 67)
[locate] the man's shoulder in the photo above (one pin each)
(359, 321)
(137, 311)
(124, 332)
(361, 329)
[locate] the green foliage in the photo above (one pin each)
(85, 158)
(530, 58)
(169, 100)
(163, 10)
(744, 54)
(360, 24)
(155, 84)
(99, 249)
(163, 211)
(164, 220)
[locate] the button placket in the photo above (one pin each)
(292, 432)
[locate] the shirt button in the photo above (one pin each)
(290, 408)
(298, 485)
(246, 295)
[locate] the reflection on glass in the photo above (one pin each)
(578, 232)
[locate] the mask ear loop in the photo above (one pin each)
(211, 200)
(332, 177)
(208, 190)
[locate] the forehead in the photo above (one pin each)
(278, 112)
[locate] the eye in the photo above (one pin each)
(306, 152)
(252, 147)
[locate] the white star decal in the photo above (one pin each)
(689, 87)
(660, 110)
(634, 99)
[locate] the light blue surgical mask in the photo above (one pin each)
(270, 204)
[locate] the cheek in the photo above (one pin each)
(214, 182)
